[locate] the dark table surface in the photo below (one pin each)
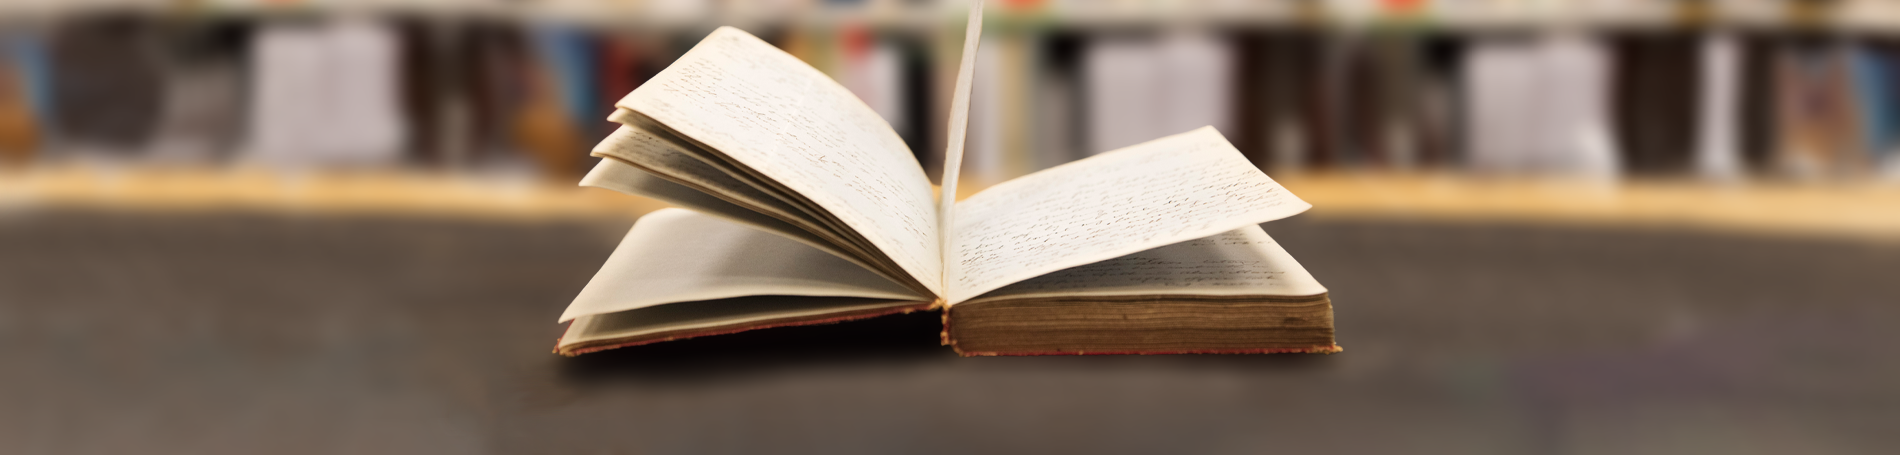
(267, 333)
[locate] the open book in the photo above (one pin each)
(802, 206)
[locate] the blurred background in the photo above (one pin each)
(1744, 89)
(1550, 226)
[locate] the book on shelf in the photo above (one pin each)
(799, 205)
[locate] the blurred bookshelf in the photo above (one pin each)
(356, 193)
(1764, 115)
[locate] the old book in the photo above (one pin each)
(800, 205)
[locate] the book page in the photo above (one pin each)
(643, 149)
(663, 157)
(647, 145)
(677, 255)
(742, 98)
(1243, 261)
(959, 127)
(621, 177)
(1165, 191)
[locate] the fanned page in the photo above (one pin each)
(736, 95)
(661, 158)
(959, 127)
(1241, 262)
(641, 143)
(625, 178)
(678, 160)
(674, 255)
(1178, 188)
(646, 151)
